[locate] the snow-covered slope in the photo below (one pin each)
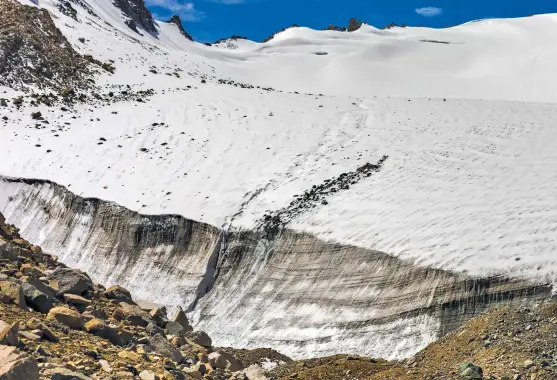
(466, 116)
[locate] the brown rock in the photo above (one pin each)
(76, 300)
(66, 374)
(134, 315)
(36, 324)
(2, 219)
(118, 293)
(113, 333)
(15, 365)
(129, 355)
(31, 270)
(13, 290)
(29, 335)
(158, 315)
(66, 316)
(9, 334)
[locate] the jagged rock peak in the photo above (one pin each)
(354, 25)
(336, 28)
(233, 37)
(178, 22)
(137, 15)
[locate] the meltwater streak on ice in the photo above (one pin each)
(296, 293)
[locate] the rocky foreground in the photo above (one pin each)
(55, 323)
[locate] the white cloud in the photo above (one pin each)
(429, 11)
(185, 10)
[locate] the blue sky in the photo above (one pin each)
(209, 20)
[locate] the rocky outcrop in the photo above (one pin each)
(33, 51)
(353, 25)
(178, 22)
(233, 38)
(137, 15)
(336, 28)
(257, 289)
(16, 365)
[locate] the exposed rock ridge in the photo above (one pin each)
(178, 22)
(247, 290)
(33, 51)
(137, 15)
(233, 37)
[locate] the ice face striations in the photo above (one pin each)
(290, 291)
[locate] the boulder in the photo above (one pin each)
(192, 373)
(9, 333)
(173, 328)
(118, 293)
(217, 360)
(16, 365)
(29, 336)
(255, 372)
(201, 338)
(2, 219)
(181, 318)
(162, 346)
(148, 375)
(66, 316)
(134, 315)
(31, 270)
(40, 285)
(158, 315)
(72, 281)
(13, 290)
(76, 300)
(470, 371)
(112, 333)
(7, 251)
(153, 329)
(234, 364)
(146, 305)
(36, 324)
(36, 299)
(66, 374)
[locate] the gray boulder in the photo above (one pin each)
(174, 328)
(470, 371)
(201, 338)
(7, 251)
(181, 318)
(73, 281)
(162, 346)
(153, 329)
(66, 374)
(36, 299)
(158, 315)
